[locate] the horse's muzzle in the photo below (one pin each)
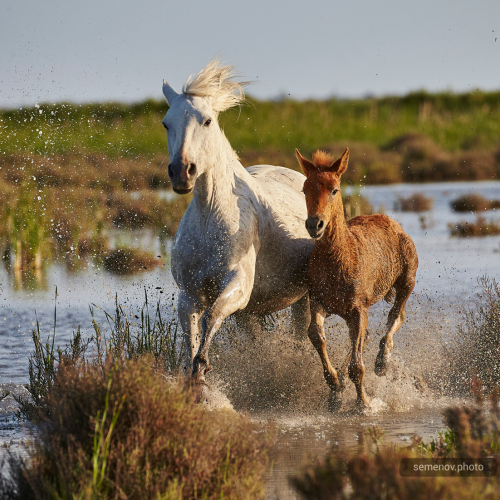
(315, 227)
(183, 176)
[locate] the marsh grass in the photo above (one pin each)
(124, 336)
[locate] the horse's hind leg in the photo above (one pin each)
(301, 316)
(394, 322)
(318, 339)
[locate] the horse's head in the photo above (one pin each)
(193, 132)
(322, 189)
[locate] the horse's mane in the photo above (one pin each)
(217, 82)
(322, 159)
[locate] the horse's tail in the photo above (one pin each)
(390, 295)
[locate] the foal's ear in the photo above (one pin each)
(340, 165)
(169, 92)
(305, 164)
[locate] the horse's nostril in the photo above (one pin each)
(320, 225)
(170, 171)
(191, 170)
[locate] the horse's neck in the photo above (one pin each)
(337, 235)
(214, 189)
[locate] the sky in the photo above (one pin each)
(100, 50)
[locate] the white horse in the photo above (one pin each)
(242, 244)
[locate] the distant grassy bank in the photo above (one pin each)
(418, 137)
(70, 173)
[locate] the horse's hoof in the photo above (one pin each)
(381, 364)
(334, 401)
(201, 392)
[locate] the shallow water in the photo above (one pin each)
(446, 283)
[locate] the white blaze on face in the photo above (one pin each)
(191, 128)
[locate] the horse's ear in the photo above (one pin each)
(169, 92)
(305, 164)
(340, 165)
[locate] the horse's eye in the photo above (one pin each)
(335, 191)
(208, 122)
(165, 125)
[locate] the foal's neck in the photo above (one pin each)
(215, 187)
(336, 234)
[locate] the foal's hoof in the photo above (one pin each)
(363, 407)
(381, 364)
(334, 401)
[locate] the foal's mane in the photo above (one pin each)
(217, 81)
(323, 159)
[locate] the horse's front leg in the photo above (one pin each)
(357, 323)
(189, 312)
(235, 294)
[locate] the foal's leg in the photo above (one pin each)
(301, 316)
(394, 322)
(317, 336)
(357, 323)
(345, 365)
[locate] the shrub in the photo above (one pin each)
(129, 261)
(481, 227)
(356, 204)
(471, 203)
(416, 202)
(381, 172)
(121, 430)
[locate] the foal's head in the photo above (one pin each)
(322, 189)
(193, 133)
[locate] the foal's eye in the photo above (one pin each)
(208, 122)
(335, 191)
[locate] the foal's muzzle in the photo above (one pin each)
(315, 226)
(182, 176)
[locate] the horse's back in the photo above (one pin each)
(285, 244)
(281, 175)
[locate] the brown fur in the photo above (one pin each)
(353, 265)
(323, 159)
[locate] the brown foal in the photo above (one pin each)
(354, 264)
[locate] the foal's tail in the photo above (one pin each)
(390, 295)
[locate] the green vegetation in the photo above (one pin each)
(453, 121)
(419, 137)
